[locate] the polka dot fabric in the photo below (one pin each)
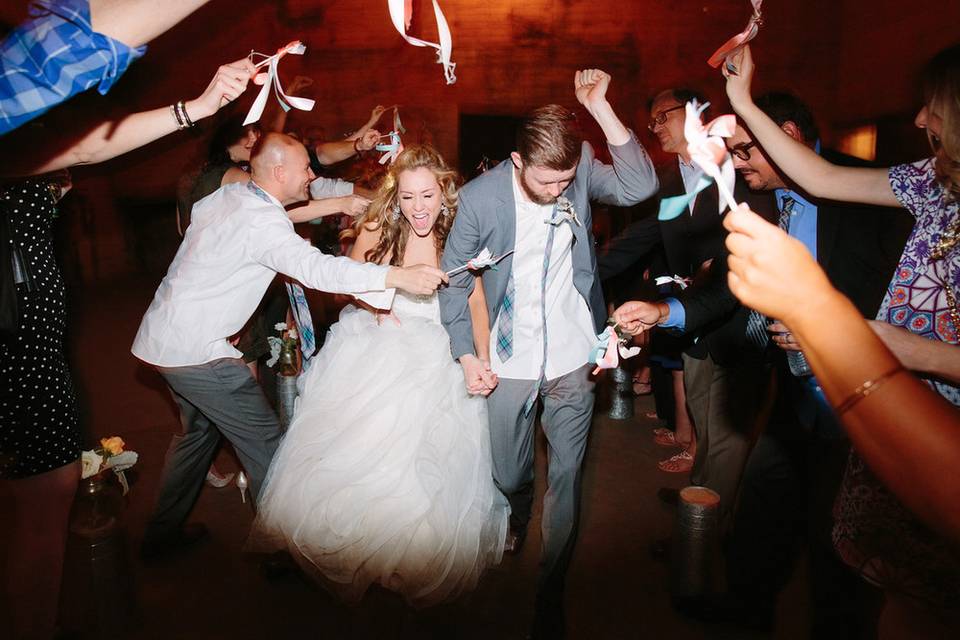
(39, 419)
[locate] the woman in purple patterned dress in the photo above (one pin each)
(918, 321)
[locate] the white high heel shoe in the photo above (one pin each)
(242, 484)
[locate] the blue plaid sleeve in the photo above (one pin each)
(53, 56)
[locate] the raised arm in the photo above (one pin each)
(803, 166)
(113, 138)
(907, 434)
(334, 152)
(632, 178)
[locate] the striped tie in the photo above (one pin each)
(757, 323)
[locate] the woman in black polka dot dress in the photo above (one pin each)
(39, 424)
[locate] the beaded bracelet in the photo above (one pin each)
(865, 389)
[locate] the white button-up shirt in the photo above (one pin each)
(570, 334)
(239, 238)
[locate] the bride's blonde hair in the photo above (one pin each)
(383, 213)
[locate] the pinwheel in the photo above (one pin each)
(401, 12)
(483, 260)
(609, 349)
(736, 43)
(707, 149)
(296, 48)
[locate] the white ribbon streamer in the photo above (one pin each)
(444, 49)
(296, 48)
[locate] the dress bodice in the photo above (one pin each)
(408, 305)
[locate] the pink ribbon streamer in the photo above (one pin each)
(736, 43)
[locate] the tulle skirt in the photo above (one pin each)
(384, 475)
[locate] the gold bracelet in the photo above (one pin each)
(866, 389)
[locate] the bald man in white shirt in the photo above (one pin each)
(239, 238)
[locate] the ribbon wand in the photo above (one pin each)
(484, 259)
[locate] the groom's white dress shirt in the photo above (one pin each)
(239, 238)
(570, 334)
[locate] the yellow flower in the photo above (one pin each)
(113, 445)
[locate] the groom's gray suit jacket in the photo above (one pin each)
(486, 217)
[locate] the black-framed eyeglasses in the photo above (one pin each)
(661, 117)
(742, 150)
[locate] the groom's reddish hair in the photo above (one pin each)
(550, 137)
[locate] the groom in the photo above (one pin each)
(545, 308)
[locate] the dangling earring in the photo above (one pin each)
(395, 212)
(444, 209)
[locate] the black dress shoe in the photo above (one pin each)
(189, 534)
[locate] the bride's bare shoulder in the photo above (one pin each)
(366, 240)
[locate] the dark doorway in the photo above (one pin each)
(485, 140)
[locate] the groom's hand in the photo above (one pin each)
(480, 380)
(420, 279)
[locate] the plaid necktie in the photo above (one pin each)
(505, 323)
(757, 323)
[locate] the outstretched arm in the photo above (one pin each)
(909, 435)
(809, 170)
(113, 138)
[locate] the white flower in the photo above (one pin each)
(566, 210)
(90, 463)
(280, 326)
(292, 333)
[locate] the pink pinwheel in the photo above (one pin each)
(736, 43)
(707, 149)
(609, 349)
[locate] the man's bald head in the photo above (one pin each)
(281, 166)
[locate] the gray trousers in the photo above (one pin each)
(567, 413)
(219, 397)
(724, 403)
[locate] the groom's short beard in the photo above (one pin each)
(538, 199)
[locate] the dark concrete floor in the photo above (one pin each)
(615, 589)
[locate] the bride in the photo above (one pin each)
(384, 475)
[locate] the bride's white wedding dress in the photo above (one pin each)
(384, 475)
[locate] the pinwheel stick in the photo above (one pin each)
(463, 268)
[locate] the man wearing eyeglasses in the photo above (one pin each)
(793, 472)
(720, 392)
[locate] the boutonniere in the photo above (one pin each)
(565, 211)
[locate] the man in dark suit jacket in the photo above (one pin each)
(687, 243)
(794, 470)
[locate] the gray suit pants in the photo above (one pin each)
(567, 412)
(219, 397)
